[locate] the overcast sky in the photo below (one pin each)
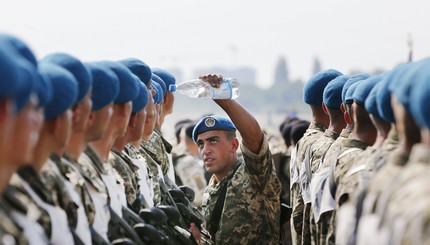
(344, 34)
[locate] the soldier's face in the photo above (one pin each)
(99, 121)
(65, 124)
(217, 151)
(139, 124)
(84, 113)
(26, 133)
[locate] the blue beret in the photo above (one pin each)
(27, 72)
(167, 77)
(352, 79)
(370, 103)
(158, 96)
(75, 66)
(332, 95)
(314, 88)
(105, 85)
(142, 98)
(363, 89)
(160, 82)
(11, 79)
(408, 78)
(209, 123)
(43, 87)
(383, 99)
(396, 75)
(419, 97)
(139, 68)
(350, 92)
(127, 84)
(18, 46)
(64, 89)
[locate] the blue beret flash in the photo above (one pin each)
(209, 123)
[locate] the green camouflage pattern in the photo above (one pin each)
(312, 134)
(158, 148)
(128, 172)
(153, 171)
(252, 205)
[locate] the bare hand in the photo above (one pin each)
(214, 80)
(195, 231)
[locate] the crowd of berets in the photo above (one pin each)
(84, 161)
(359, 174)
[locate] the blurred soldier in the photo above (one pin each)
(179, 147)
(239, 186)
(54, 136)
(300, 175)
(60, 176)
(387, 177)
(409, 216)
(189, 166)
(14, 85)
(382, 176)
(332, 100)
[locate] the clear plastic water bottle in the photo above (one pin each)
(197, 88)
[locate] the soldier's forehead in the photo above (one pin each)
(212, 133)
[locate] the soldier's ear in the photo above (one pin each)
(347, 117)
(77, 112)
(324, 107)
(342, 108)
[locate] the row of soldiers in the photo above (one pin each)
(83, 158)
(360, 173)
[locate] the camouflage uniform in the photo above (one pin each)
(190, 170)
(145, 177)
(390, 144)
(407, 198)
(98, 191)
(10, 232)
(252, 207)
(158, 148)
(154, 169)
(317, 152)
(128, 172)
(314, 132)
(381, 180)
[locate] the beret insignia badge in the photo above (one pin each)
(210, 122)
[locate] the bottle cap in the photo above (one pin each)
(172, 88)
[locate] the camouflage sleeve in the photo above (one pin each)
(258, 164)
(128, 176)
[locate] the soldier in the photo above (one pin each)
(411, 225)
(54, 136)
(124, 165)
(101, 157)
(338, 157)
(390, 177)
(14, 85)
(105, 90)
(332, 100)
(383, 175)
(300, 193)
(189, 166)
(239, 186)
(59, 175)
(144, 73)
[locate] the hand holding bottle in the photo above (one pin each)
(210, 86)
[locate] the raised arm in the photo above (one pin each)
(246, 124)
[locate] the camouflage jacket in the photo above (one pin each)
(313, 133)
(158, 148)
(128, 172)
(390, 144)
(252, 204)
(153, 170)
(10, 232)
